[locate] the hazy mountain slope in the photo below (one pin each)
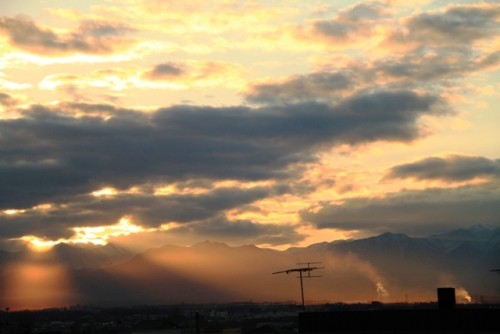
(7, 258)
(389, 267)
(207, 272)
(88, 257)
(460, 258)
(214, 272)
(471, 254)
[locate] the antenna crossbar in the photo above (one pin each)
(301, 270)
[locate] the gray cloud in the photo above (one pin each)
(424, 68)
(303, 88)
(334, 29)
(100, 29)
(353, 21)
(442, 49)
(188, 208)
(47, 156)
(445, 44)
(105, 110)
(366, 11)
(452, 168)
(413, 212)
(90, 37)
(463, 24)
(240, 231)
(440, 64)
(166, 70)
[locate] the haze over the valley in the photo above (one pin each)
(389, 268)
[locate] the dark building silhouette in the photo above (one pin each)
(445, 318)
(446, 298)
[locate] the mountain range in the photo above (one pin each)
(391, 267)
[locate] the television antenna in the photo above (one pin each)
(301, 270)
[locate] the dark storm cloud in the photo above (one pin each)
(463, 24)
(452, 168)
(26, 184)
(414, 212)
(46, 155)
(166, 70)
(90, 37)
(302, 88)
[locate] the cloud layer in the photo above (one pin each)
(263, 123)
(423, 210)
(48, 154)
(413, 212)
(451, 168)
(89, 37)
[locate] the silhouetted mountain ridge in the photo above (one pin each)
(89, 257)
(482, 237)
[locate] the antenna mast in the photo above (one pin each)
(301, 270)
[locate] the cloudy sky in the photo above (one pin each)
(274, 123)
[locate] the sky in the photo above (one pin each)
(274, 123)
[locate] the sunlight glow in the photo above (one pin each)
(95, 235)
(11, 85)
(243, 185)
(17, 57)
(172, 189)
(273, 210)
(99, 235)
(312, 236)
(39, 244)
(105, 192)
(11, 212)
(169, 226)
(43, 207)
(35, 285)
